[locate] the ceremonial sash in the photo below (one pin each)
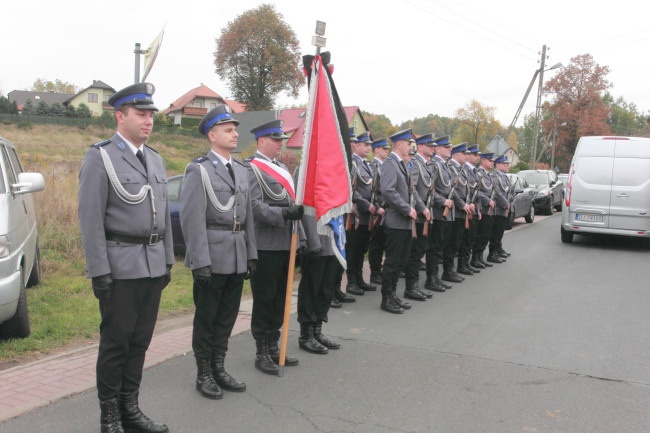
(277, 173)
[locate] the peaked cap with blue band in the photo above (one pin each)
(271, 129)
(443, 141)
(406, 134)
(364, 137)
(425, 139)
(501, 160)
(459, 148)
(218, 115)
(473, 149)
(138, 95)
(382, 142)
(487, 155)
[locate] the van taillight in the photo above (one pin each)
(567, 196)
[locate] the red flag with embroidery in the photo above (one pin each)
(327, 191)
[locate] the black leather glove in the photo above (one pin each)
(293, 212)
(167, 277)
(202, 276)
(310, 255)
(252, 268)
(103, 288)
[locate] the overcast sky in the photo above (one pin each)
(401, 58)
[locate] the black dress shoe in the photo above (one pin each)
(486, 264)
(494, 258)
(334, 303)
(465, 270)
(478, 265)
(353, 289)
(455, 274)
(451, 278)
(442, 283)
(434, 285)
(426, 292)
(365, 286)
(473, 269)
(343, 297)
(387, 304)
(504, 253)
(405, 305)
(414, 295)
(375, 279)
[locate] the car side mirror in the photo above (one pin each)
(28, 182)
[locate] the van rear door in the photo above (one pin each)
(630, 193)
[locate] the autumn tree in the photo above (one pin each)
(624, 118)
(477, 123)
(259, 55)
(576, 107)
(379, 125)
(56, 86)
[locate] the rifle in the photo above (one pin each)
(494, 192)
(373, 200)
(445, 213)
(432, 190)
(414, 231)
(352, 216)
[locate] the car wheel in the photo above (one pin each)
(558, 207)
(18, 326)
(511, 220)
(549, 209)
(37, 272)
(531, 215)
(567, 237)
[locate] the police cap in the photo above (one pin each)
(271, 129)
(138, 95)
(218, 115)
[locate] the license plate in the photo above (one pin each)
(589, 218)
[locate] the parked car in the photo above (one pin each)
(523, 204)
(608, 191)
(549, 189)
(174, 188)
(19, 254)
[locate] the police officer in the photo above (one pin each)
(442, 219)
(398, 219)
(377, 246)
(501, 209)
(468, 170)
(423, 183)
(358, 235)
(127, 240)
(274, 210)
(457, 160)
(217, 222)
(486, 200)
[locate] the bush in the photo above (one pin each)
(190, 122)
(24, 124)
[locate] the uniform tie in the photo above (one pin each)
(140, 156)
(232, 173)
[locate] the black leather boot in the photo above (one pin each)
(323, 339)
(343, 297)
(223, 379)
(335, 303)
(451, 277)
(493, 257)
(480, 259)
(205, 383)
(399, 301)
(463, 268)
(110, 418)
(274, 351)
(433, 285)
(410, 292)
(308, 342)
(503, 253)
(470, 267)
(363, 285)
(263, 361)
(352, 288)
(133, 420)
(387, 304)
(476, 263)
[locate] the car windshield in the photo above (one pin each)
(535, 177)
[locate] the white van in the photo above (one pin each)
(608, 191)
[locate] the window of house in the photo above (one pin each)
(107, 97)
(93, 97)
(213, 105)
(198, 102)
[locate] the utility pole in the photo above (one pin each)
(538, 107)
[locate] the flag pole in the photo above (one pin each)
(319, 41)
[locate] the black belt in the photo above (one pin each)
(152, 239)
(235, 227)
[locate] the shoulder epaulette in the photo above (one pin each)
(250, 158)
(200, 159)
(151, 148)
(100, 143)
(238, 162)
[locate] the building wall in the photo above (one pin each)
(99, 95)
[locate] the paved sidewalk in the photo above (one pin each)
(39, 383)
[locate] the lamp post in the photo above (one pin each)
(538, 105)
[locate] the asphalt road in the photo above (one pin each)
(554, 340)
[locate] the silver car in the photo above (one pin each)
(19, 254)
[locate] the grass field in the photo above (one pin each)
(63, 310)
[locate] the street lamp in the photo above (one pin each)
(541, 71)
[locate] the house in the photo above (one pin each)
(197, 102)
(498, 146)
(20, 97)
(95, 97)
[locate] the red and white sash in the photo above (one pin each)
(277, 173)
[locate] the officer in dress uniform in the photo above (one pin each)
(468, 171)
(486, 200)
(274, 211)
(377, 246)
(422, 179)
(501, 209)
(217, 222)
(358, 235)
(458, 159)
(127, 240)
(398, 219)
(441, 226)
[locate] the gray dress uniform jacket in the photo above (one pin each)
(443, 182)
(460, 196)
(101, 211)
(422, 179)
(395, 193)
(502, 184)
(469, 171)
(485, 189)
(362, 189)
(214, 238)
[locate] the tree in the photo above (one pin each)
(577, 102)
(42, 109)
(259, 55)
(7, 106)
(82, 111)
(28, 107)
(58, 86)
(477, 123)
(57, 110)
(379, 125)
(624, 118)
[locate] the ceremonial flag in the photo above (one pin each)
(324, 187)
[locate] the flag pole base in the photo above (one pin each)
(280, 370)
